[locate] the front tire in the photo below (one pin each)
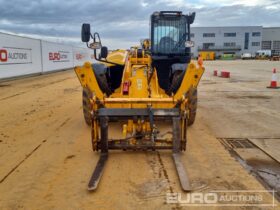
(192, 106)
(176, 82)
(87, 106)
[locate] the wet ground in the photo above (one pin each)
(256, 161)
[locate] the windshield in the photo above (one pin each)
(169, 36)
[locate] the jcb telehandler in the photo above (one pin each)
(141, 87)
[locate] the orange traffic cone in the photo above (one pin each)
(273, 83)
(200, 61)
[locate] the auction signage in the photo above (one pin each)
(13, 55)
(59, 56)
(80, 56)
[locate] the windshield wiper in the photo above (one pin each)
(183, 38)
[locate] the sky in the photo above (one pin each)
(122, 23)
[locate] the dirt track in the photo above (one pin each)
(46, 158)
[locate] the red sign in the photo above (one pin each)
(60, 56)
(15, 55)
(79, 56)
(3, 55)
(54, 56)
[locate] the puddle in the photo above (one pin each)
(254, 160)
(268, 170)
(151, 189)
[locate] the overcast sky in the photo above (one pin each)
(122, 23)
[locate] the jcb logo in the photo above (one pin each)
(3, 55)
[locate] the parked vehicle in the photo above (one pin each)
(263, 54)
(247, 56)
(207, 55)
(228, 56)
(275, 55)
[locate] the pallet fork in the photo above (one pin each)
(105, 145)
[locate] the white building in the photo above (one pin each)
(271, 38)
(227, 40)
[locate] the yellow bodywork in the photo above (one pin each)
(137, 71)
(117, 56)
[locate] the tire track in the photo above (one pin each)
(32, 152)
(22, 161)
(35, 87)
(17, 94)
(62, 124)
(160, 172)
(165, 175)
(164, 172)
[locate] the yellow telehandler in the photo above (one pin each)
(140, 88)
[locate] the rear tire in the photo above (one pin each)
(100, 71)
(87, 106)
(192, 106)
(176, 82)
(103, 84)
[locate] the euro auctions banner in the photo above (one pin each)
(56, 56)
(81, 55)
(59, 56)
(14, 55)
(23, 56)
(19, 56)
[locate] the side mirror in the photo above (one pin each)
(85, 34)
(104, 52)
(189, 44)
(191, 18)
